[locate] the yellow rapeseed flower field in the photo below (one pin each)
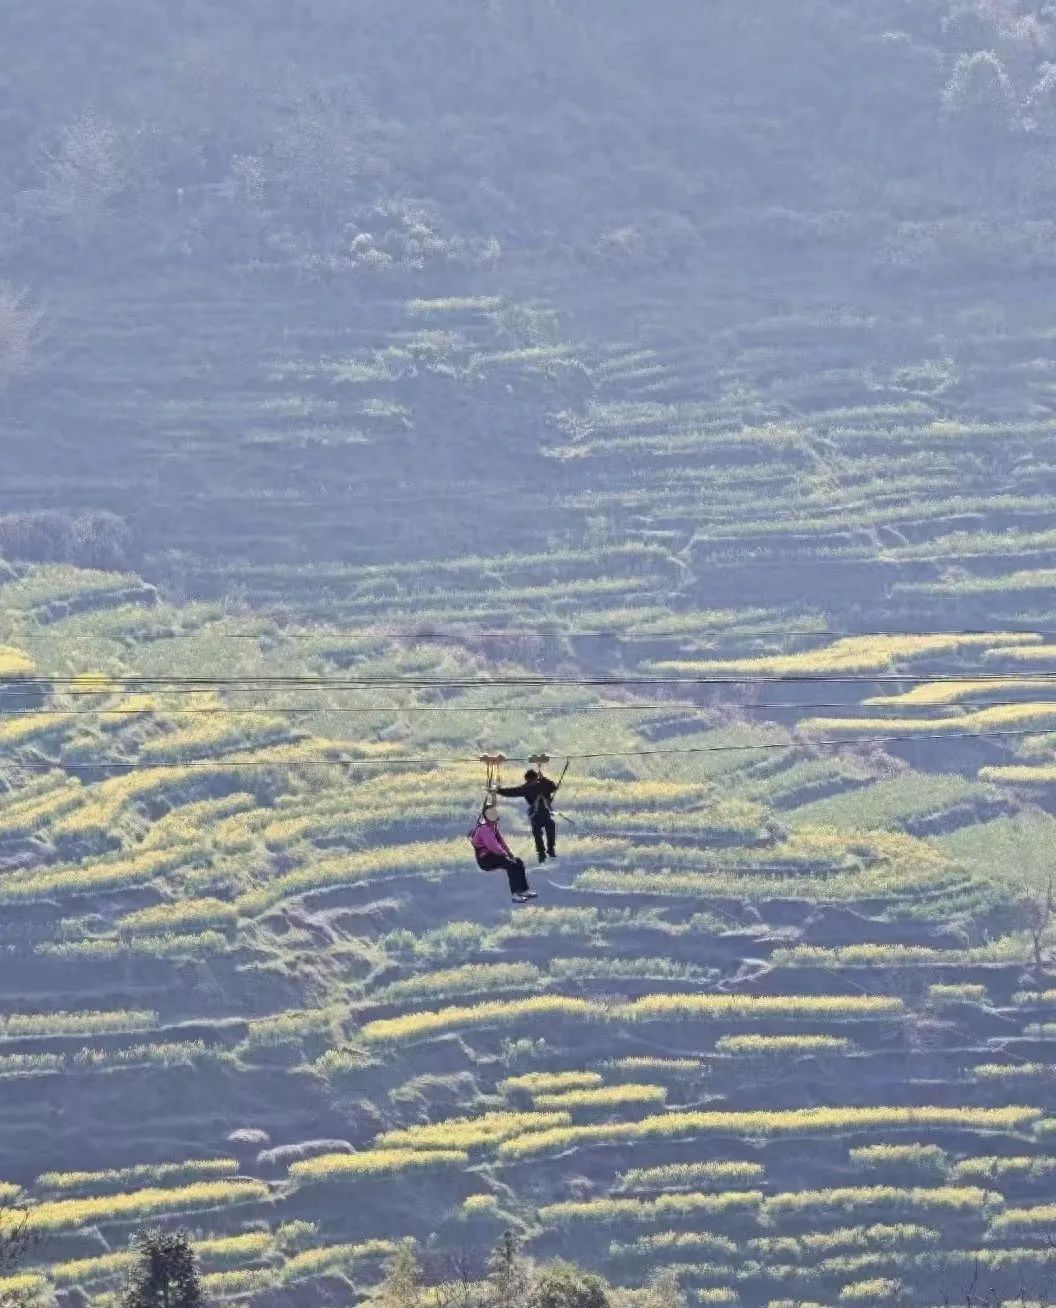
(156, 1172)
(547, 1082)
(936, 693)
(21, 1287)
(374, 1162)
(84, 1022)
(853, 654)
(179, 915)
(760, 1122)
(783, 1044)
(671, 1176)
(649, 1008)
(470, 1132)
(651, 1210)
(93, 877)
(1020, 774)
(15, 663)
(70, 1214)
(23, 818)
(885, 1197)
(609, 1096)
(1039, 714)
(310, 1262)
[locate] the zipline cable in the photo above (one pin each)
(513, 633)
(423, 761)
(673, 707)
(134, 682)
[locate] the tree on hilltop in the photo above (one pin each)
(164, 1273)
(510, 1276)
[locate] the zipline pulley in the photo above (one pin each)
(492, 779)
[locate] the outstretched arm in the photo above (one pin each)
(512, 792)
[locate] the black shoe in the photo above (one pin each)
(551, 853)
(525, 896)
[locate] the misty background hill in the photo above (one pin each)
(200, 198)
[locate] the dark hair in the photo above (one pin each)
(531, 774)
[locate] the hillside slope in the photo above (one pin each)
(772, 1021)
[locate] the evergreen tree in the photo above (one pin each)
(164, 1273)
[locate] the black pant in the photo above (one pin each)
(514, 868)
(544, 829)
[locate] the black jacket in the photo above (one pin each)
(538, 795)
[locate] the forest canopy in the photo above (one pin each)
(389, 136)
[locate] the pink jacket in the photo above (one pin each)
(487, 840)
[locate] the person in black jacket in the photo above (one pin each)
(538, 793)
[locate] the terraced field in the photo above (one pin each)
(781, 1019)
(783, 1016)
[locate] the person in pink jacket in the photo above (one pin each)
(492, 852)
